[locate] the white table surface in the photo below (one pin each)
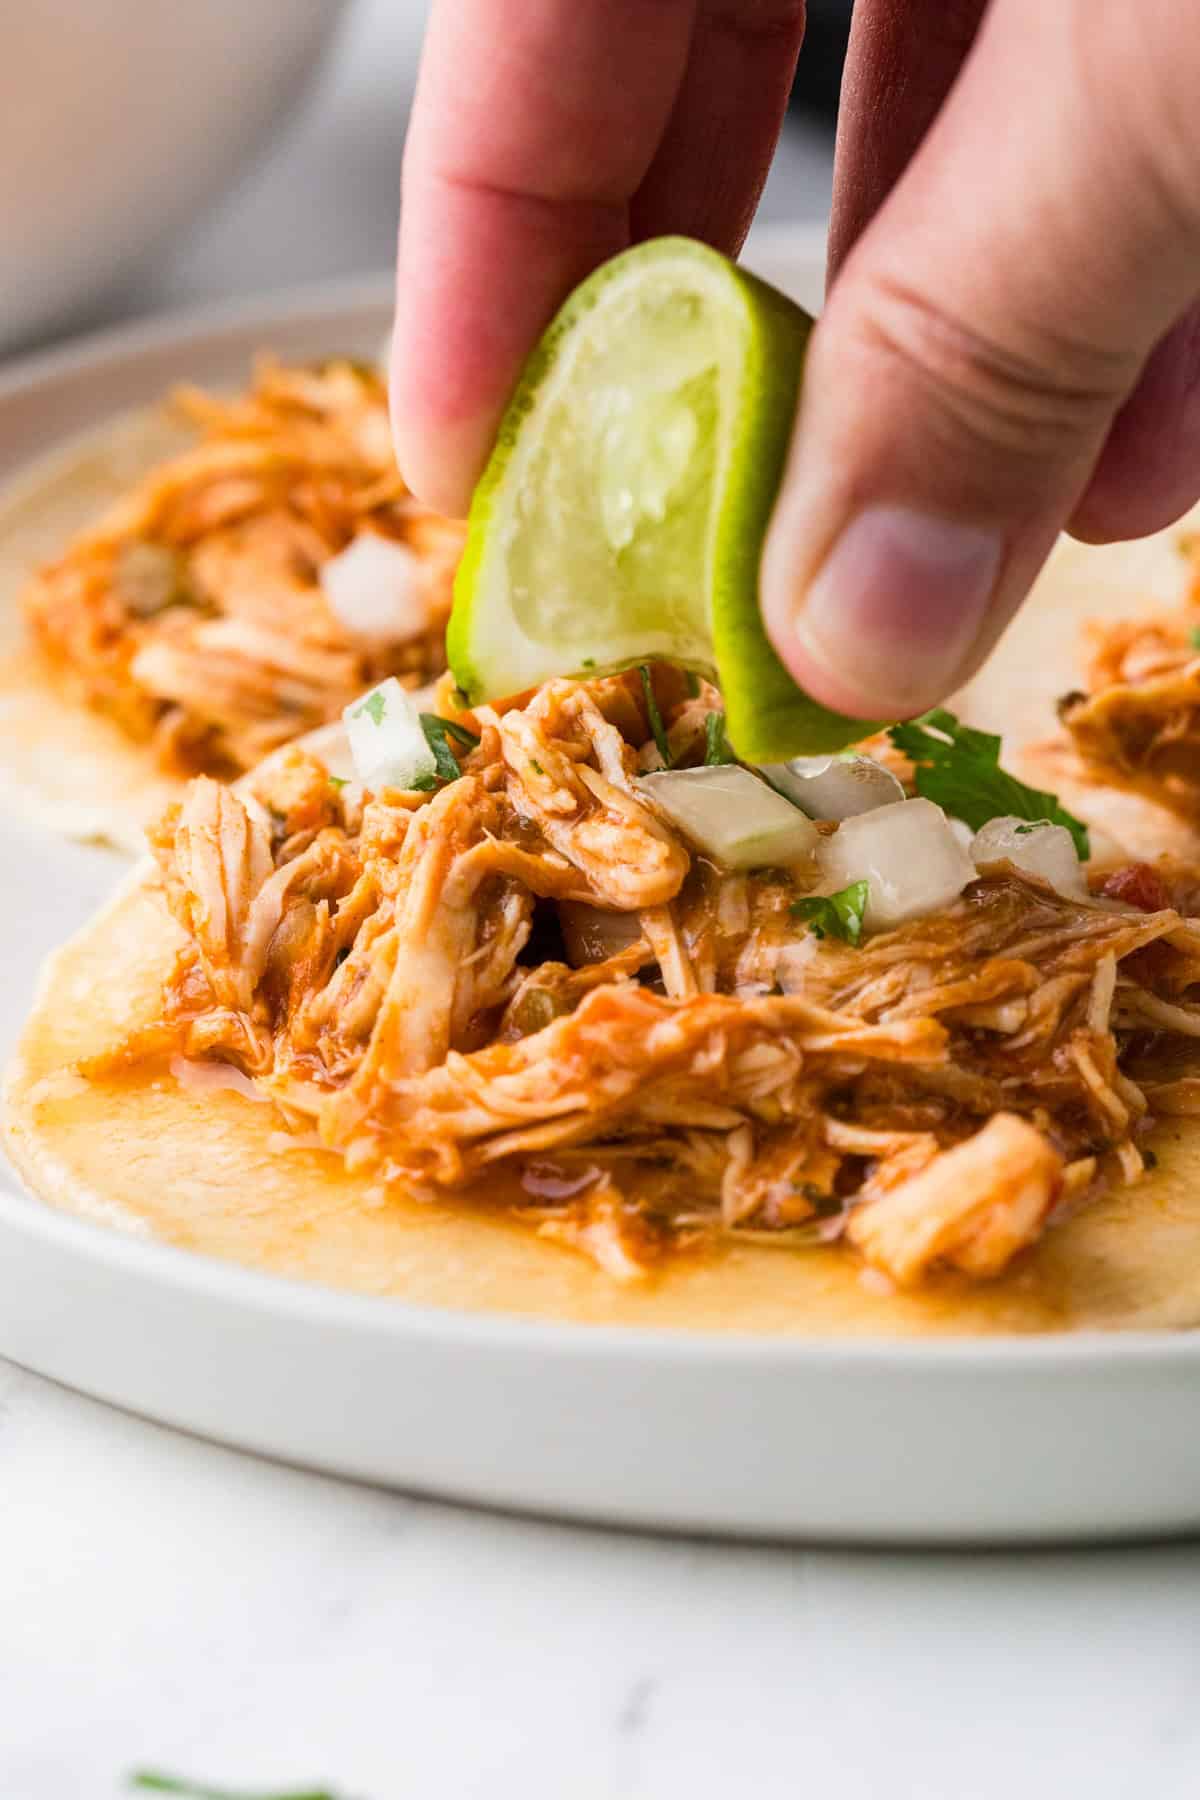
(165, 1602)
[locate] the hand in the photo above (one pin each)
(546, 136)
(1011, 343)
(1007, 346)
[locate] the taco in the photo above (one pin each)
(194, 587)
(1096, 687)
(559, 1010)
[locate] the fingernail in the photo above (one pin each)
(891, 615)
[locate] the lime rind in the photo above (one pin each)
(663, 350)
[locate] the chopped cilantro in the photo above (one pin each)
(692, 681)
(374, 706)
(716, 744)
(958, 768)
(1024, 830)
(339, 781)
(438, 731)
(1194, 637)
(536, 765)
(655, 717)
(589, 662)
(424, 783)
(835, 915)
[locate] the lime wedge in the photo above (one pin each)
(621, 517)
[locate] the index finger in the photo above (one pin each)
(534, 124)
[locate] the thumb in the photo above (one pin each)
(979, 342)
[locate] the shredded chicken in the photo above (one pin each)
(429, 983)
(1135, 724)
(974, 1206)
(192, 612)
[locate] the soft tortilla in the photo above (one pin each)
(62, 765)
(1039, 659)
(67, 767)
(211, 1171)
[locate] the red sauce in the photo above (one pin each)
(1137, 885)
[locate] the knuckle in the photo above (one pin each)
(1032, 400)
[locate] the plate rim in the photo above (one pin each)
(287, 1298)
(79, 352)
(76, 355)
(295, 1301)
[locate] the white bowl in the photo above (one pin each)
(118, 120)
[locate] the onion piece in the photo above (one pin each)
(1041, 849)
(733, 816)
(378, 589)
(386, 739)
(906, 853)
(206, 1077)
(835, 787)
(592, 935)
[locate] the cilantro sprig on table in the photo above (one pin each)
(958, 768)
(151, 1781)
(835, 915)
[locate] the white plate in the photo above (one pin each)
(954, 1441)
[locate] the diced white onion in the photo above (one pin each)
(835, 787)
(590, 934)
(207, 1077)
(1044, 850)
(908, 855)
(386, 740)
(378, 589)
(732, 815)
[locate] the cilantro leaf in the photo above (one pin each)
(438, 732)
(469, 740)
(374, 706)
(424, 783)
(835, 915)
(716, 744)
(339, 781)
(655, 717)
(1194, 637)
(958, 768)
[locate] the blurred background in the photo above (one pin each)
(218, 150)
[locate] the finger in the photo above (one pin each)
(978, 344)
(709, 170)
(1149, 469)
(534, 123)
(902, 60)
